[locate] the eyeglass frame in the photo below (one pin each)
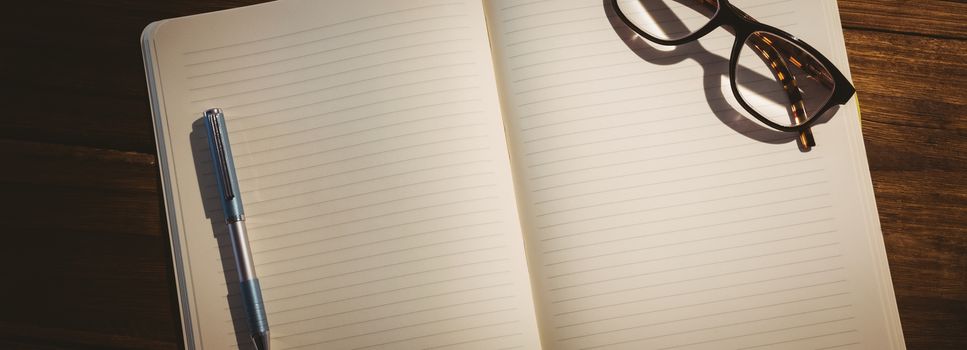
(745, 26)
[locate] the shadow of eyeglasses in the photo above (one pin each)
(714, 68)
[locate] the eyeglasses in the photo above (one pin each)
(780, 80)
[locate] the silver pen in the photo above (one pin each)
(231, 198)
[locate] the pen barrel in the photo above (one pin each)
(254, 308)
(242, 250)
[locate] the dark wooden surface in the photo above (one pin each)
(85, 254)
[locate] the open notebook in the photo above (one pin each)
(458, 174)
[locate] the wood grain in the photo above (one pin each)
(909, 64)
(86, 254)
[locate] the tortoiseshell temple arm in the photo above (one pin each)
(768, 51)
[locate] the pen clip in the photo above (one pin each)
(221, 156)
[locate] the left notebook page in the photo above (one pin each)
(373, 169)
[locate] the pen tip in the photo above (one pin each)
(261, 341)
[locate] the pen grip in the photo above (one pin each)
(254, 308)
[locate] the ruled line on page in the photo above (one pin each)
(776, 330)
(357, 107)
(801, 339)
(436, 295)
(477, 340)
(306, 80)
(552, 24)
(275, 286)
(332, 74)
(364, 143)
(328, 100)
(413, 222)
(838, 346)
(236, 70)
(395, 276)
(785, 315)
(439, 130)
(405, 148)
(520, 3)
(384, 330)
(666, 194)
(397, 212)
(761, 268)
(357, 94)
(702, 201)
(403, 314)
(357, 182)
(613, 102)
(375, 127)
(354, 107)
(583, 80)
(419, 324)
(264, 174)
(296, 55)
(731, 337)
(746, 155)
(385, 175)
(355, 195)
(683, 142)
(268, 262)
(805, 211)
(323, 236)
(744, 296)
(278, 49)
(317, 266)
(359, 120)
(672, 218)
(253, 78)
(661, 195)
(548, 12)
(693, 228)
(730, 311)
(649, 209)
(378, 267)
(441, 333)
(638, 249)
(559, 35)
(387, 291)
(314, 28)
(665, 182)
(613, 127)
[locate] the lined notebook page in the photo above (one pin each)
(371, 159)
(651, 223)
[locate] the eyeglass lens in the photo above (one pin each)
(780, 80)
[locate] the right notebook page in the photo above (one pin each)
(656, 216)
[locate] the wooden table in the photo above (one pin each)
(85, 253)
